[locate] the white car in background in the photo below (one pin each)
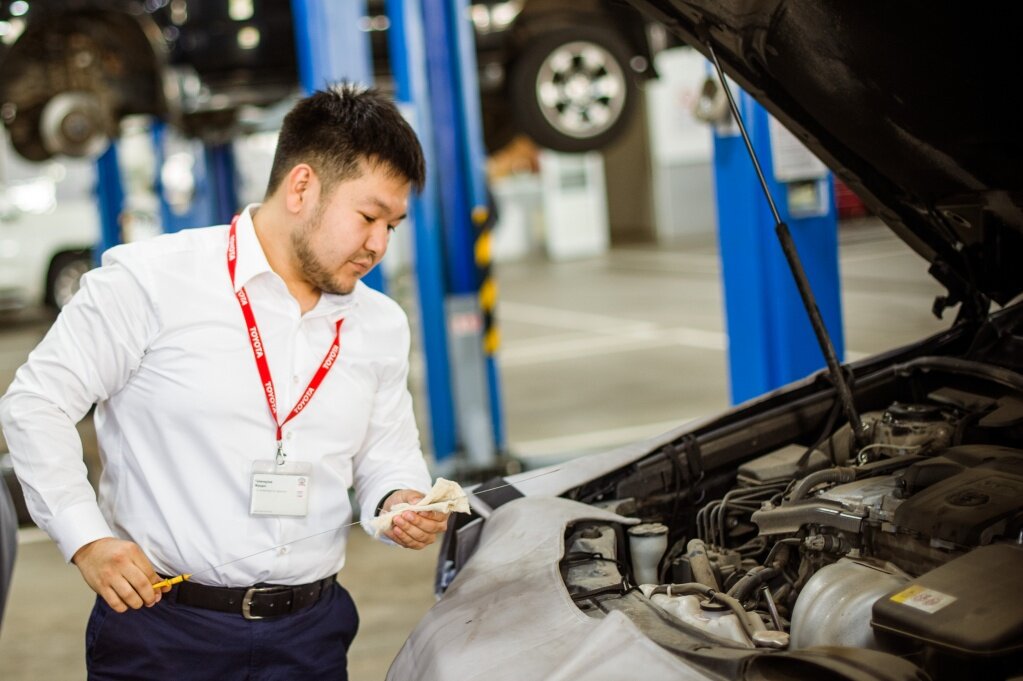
(49, 224)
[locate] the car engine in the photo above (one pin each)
(907, 540)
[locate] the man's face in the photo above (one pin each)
(348, 232)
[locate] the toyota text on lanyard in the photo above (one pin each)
(260, 352)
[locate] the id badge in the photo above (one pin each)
(280, 489)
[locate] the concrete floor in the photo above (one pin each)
(595, 353)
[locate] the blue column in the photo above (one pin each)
(444, 97)
(171, 220)
(405, 40)
(223, 178)
(215, 199)
(331, 48)
(770, 340)
(471, 123)
(452, 103)
(109, 199)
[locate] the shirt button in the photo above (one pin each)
(290, 435)
(294, 379)
(283, 551)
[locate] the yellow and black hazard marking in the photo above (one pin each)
(483, 221)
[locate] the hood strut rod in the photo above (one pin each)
(802, 283)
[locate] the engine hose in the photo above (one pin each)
(838, 474)
(749, 622)
(699, 564)
(751, 581)
(964, 367)
(743, 589)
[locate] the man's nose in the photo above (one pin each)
(377, 240)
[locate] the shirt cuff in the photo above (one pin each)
(76, 526)
(383, 500)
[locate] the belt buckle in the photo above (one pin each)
(247, 601)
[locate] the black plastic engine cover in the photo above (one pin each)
(970, 605)
(974, 496)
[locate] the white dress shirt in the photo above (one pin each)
(157, 340)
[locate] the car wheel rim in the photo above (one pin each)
(581, 89)
(67, 281)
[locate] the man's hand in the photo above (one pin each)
(411, 529)
(118, 571)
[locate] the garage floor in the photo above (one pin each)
(596, 353)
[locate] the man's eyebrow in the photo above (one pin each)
(383, 206)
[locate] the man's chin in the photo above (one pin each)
(343, 284)
(340, 290)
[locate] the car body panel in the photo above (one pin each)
(557, 642)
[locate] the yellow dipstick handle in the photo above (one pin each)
(171, 581)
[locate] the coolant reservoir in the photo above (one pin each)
(908, 428)
(647, 543)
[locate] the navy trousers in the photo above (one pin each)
(171, 641)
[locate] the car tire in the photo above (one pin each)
(65, 276)
(573, 88)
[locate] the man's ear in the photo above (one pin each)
(301, 188)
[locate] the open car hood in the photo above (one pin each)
(906, 102)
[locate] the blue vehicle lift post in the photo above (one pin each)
(770, 339)
(110, 200)
(433, 60)
(475, 161)
(223, 176)
(457, 128)
(405, 41)
(215, 200)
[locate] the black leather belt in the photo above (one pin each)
(256, 602)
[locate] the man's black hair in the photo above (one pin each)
(337, 129)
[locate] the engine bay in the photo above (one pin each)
(907, 540)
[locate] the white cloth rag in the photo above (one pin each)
(445, 496)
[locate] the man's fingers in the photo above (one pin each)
(144, 580)
(435, 516)
(126, 592)
(405, 539)
(410, 530)
(121, 595)
(431, 522)
(141, 582)
(415, 531)
(119, 572)
(113, 600)
(401, 537)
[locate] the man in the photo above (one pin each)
(195, 347)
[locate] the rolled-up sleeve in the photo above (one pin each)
(90, 352)
(391, 457)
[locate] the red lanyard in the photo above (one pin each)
(260, 352)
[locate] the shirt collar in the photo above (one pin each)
(252, 262)
(334, 304)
